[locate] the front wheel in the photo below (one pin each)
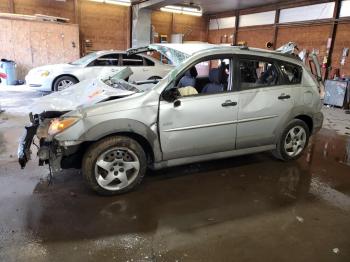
(114, 165)
(293, 141)
(63, 82)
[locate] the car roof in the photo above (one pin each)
(188, 48)
(191, 49)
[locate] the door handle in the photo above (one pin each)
(229, 103)
(283, 96)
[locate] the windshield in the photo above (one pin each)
(176, 57)
(85, 59)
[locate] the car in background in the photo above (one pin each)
(60, 76)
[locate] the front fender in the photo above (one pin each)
(113, 126)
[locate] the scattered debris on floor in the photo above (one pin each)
(336, 250)
(300, 219)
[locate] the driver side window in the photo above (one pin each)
(206, 77)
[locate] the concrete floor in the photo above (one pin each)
(250, 208)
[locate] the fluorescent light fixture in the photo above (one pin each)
(114, 2)
(185, 10)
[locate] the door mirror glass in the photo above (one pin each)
(171, 94)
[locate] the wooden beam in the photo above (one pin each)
(129, 28)
(11, 6)
(76, 12)
(275, 29)
(172, 25)
(207, 29)
(332, 36)
(235, 32)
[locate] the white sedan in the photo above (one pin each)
(60, 76)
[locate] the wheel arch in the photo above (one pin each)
(55, 79)
(308, 121)
(141, 140)
(146, 136)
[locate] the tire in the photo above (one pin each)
(110, 166)
(60, 85)
(289, 148)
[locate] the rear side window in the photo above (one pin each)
(255, 73)
(291, 73)
(106, 60)
(132, 60)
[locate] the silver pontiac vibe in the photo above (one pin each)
(217, 102)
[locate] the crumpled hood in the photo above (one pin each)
(85, 93)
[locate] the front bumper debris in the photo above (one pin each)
(38, 127)
(26, 141)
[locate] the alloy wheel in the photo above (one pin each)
(295, 141)
(116, 168)
(63, 84)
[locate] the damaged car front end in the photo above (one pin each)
(43, 127)
(54, 113)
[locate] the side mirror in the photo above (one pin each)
(170, 95)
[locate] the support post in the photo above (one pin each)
(234, 42)
(332, 36)
(76, 12)
(129, 28)
(275, 29)
(11, 6)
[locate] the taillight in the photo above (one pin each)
(3, 75)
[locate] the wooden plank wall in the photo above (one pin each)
(107, 26)
(34, 43)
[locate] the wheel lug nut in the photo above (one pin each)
(121, 169)
(116, 172)
(112, 169)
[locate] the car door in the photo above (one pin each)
(265, 101)
(198, 124)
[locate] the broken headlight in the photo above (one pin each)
(59, 124)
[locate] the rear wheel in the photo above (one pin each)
(114, 165)
(63, 82)
(293, 141)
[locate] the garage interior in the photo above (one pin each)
(245, 208)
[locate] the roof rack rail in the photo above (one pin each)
(241, 45)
